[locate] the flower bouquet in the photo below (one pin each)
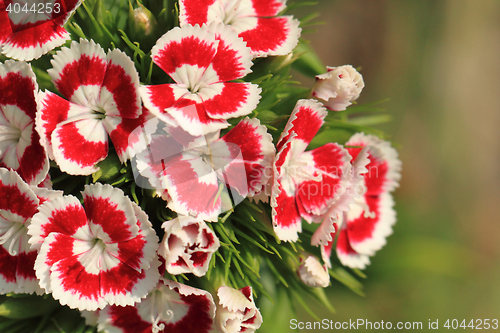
(174, 181)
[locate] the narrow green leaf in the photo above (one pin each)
(347, 280)
(274, 250)
(275, 271)
(305, 306)
(251, 240)
(359, 273)
(238, 268)
(371, 120)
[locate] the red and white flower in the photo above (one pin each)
(313, 274)
(170, 307)
(254, 20)
(364, 228)
(306, 184)
(30, 28)
(18, 203)
(187, 246)
(237, 311)
(338, 87)
(208, 166)
(98, 255)
(201, 61)
(20, 148)
(103, 94)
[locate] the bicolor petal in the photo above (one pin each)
(20, 147)
(384, 168)
(18, 204)
(255, 22)
(187, 175)
(170, 307)
(27, 35)
(347, 255)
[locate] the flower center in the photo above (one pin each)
(160, 311)
(92, 259)
(194, 87)
(8, 130)
(10, 236)
(9, 133)
(98, 112)
(231, 12)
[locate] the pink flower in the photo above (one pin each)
(171, 307)
(254, 20)
(338, 87)
(98, 255)
(18, 203)
(237, 311)
(20, 148)
(27, 35)
(201, 61)
(365, 227)
(313, 274)
(103, 93)
(187, 246)
(306, 184)
(209, 166)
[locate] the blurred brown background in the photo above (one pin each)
(439, 63)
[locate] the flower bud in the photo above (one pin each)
(144, 21)
(187, 246)
(338, 87)
(142, 26)
(313, 274)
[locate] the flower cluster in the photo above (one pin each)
(194, 137)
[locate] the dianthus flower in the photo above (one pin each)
(20, 148)
(364, 228)
(18, 203)
(103, 93)
(254, 20)
(306, 184)
(27, 33)
(94, 256)
(208, 166)
(171, 307)
(201, 61)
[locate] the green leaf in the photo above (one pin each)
(304, 305)
(309, 63)
(371, 120)
(27, 307)
(254, 242)
(347, 280)
(319, 294)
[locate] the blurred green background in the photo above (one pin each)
(439, 63)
